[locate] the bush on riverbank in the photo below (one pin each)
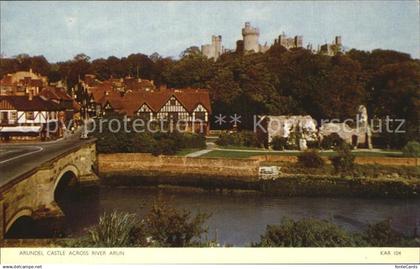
(311, 159)
(305, 233)
(163, 226)
(238, 139)
(146, 142)
(322, 233)
(343, 162)
(412, 149)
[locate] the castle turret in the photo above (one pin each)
(250, 36)
(213, 50)
(338, 40)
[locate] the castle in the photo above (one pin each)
(250, 36)
(289, 42)
(213, 50)
(333, 48)
(250, 44)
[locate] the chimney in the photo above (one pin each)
(30, 95)
(30, 70)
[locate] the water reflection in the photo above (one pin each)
(239, 218)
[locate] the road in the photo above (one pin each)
(18, 159)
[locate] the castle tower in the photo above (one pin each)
(217, 46)
(338, 40)
(250, 36)
(298, 41)
(213, 50)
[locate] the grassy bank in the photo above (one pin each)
(242, 152)
(286, 185)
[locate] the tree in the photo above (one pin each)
(395, 94)
(344, 160)
(191, 71)
(191, 51)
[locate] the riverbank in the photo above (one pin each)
(221, 173)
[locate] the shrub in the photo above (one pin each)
(163, 226)
(190, 140)
(344, 161)
(331, 141)
(412, 149)
(313, 144)
(305, 233)
(147, 142)
(113, 230)
(240, 139)
(311, 159)
(381, 234)
(169, 227)
(279, 143)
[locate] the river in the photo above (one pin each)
(238, 218)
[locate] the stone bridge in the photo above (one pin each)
(33, 194)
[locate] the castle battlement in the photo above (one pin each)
(249, 30)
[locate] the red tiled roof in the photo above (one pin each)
(189, 98)
(22, 103)
(55, 93)
(136, 94)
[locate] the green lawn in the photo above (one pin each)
(240, 147)
(186, 151)
(247, 154)
(239, 154)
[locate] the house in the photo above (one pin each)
(25, 117)
(30, 84)
(22, 83)
(188, 107)
(66, 103)
(140, 98)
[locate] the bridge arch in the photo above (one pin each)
(68, 173)
(23, 212)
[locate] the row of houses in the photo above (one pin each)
(30, 108)
(137, 98)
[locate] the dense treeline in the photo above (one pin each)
(277, 82)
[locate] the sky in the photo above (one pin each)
(60, 30)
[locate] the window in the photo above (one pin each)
(172, 102)
(4, 117)
(30, 115)
(13, 116)
(200, 116)
(144, 115)
(173, 116)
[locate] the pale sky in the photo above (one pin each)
(60, 30)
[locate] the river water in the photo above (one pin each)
(239, 218)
